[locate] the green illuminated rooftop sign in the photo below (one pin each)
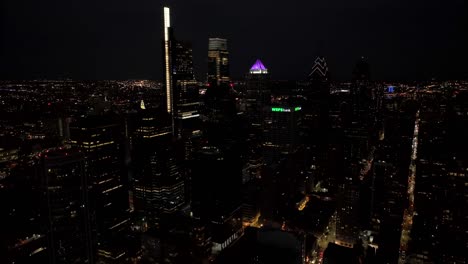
(281, 109)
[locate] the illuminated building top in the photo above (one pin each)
(167, 22)
(217, 44)
(218, 60)
(320, 69)
(258, 68)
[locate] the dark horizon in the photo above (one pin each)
(118, 41)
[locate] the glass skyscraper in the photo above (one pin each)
(218, 60)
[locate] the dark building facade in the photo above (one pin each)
(281, 131)
(70, 225)
(216, 194)
(100, 139)
(158, 184)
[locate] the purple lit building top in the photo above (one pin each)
(258, 68)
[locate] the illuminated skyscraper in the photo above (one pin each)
(218, 60)
(186, 93)
(168, 42)
(182, 61)
(258, 93)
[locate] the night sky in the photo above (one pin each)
(121, 39)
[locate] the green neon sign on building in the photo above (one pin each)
(280, 109)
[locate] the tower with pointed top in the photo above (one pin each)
(258, 92)
(316, 113)
(258, 68)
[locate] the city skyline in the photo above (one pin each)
(295, 157)
(402, 41)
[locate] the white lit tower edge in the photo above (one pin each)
(167, 60)
(168, 65)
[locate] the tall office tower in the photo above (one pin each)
(168, 57)
(187, 108)
(218, 60)
(182, 62)
(362, 94)
(158, 183)
(66, 186)
(152, 125)
(257, 100)
(361, 71)
(100, 138)
(281, 132)
(258, 93)
(216, 200)
(159, 187)
(186, 95)
(316, 123)
(358, 151)
(222, 123)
